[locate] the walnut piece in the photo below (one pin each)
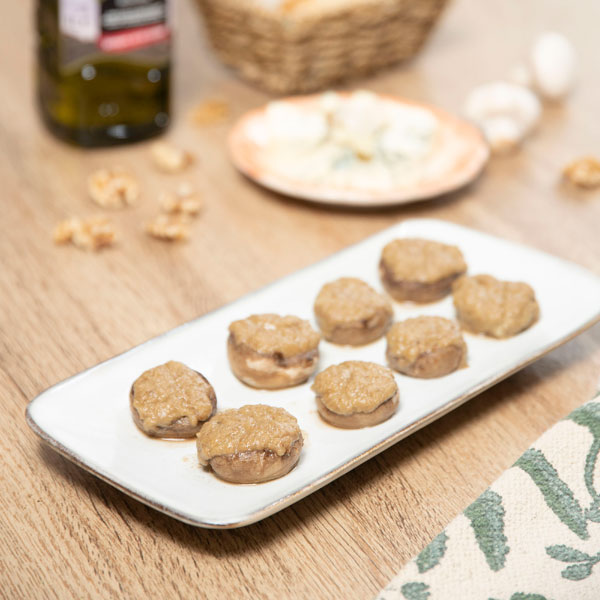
(113, 188)
(169, 158)
(88, 234)
(63, 232)
(210, 111)
(183, 201)
(171, 228)
(584, 172)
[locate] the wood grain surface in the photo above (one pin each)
(66, 534)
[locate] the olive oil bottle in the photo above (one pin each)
(103, 69)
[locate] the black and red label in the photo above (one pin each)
(129, 24)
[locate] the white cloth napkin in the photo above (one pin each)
(533, 535)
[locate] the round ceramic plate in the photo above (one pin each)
(458, 146)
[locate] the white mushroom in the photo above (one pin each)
(506, 113)
(502, 133)
(553, 65)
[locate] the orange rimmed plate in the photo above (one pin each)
(459, 143)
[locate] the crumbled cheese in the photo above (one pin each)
(360, 140)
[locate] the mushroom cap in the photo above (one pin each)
(553, 65)
(505, 112)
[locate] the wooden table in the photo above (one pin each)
(66, 534)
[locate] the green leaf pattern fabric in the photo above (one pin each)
(415, 591)
(431, 556)
(487, 520)
(556, 492)
(533, 535)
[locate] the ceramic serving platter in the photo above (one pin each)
(458, 145)
(86, 418)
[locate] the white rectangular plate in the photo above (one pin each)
(87, 418)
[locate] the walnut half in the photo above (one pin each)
(171, 228)
(583, 172)
(210, 112)
(184, 201)
(169, 158)
(88, 234)
(113, 188)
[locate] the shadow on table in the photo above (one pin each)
(234, 542)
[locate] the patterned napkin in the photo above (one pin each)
(533, 535)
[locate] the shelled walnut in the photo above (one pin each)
(172, 228)
(583, 172)
(184, 201)
(210, 112)
(113, 188)
(170, 158)
(88, 234)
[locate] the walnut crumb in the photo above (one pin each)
(88, 234)
(584, 172)
(113, 188)
(171, 228)
(169, 158)
(173, 204)
(210, 112)
(184, 201)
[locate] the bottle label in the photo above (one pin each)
(115, 26)
(79, 19)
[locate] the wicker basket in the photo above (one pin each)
(307, 45)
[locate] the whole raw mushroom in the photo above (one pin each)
(505, 112)
(553, 65)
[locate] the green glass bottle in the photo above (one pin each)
(103, 69)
